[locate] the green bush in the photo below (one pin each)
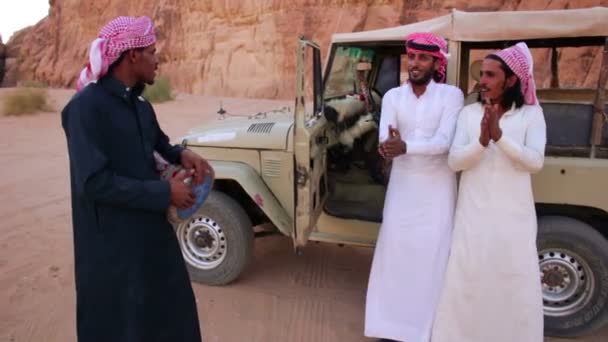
(26, 101)
(160, 91)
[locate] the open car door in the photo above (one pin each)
(310, 142)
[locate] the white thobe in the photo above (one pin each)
(492, 290)
(412, 247)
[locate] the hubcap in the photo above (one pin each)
(567, 282)
(203, 242)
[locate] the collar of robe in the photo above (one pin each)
(428, 90)
(117, 88)
(511, 111)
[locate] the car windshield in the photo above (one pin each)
(342, 78)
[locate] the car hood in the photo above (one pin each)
(268, 131)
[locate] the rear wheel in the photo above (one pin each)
(573, 259)
(217, 242)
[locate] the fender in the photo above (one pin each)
(257, 190)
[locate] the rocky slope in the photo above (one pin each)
(225, 47)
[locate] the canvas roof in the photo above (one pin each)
(491, 26)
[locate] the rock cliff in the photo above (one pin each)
(224, 47)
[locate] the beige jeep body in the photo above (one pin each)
(289, 172)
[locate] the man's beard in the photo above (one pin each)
(425, 79)
(484, 98)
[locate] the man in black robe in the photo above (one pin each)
(131, 280)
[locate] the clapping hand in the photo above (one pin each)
(394, 146)
(494, 116)
(490, 127)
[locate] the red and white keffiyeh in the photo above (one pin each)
(431, 44)
(119, 35)
(519, 59)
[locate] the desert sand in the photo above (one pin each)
(318, 296)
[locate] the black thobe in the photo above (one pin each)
(131, 280)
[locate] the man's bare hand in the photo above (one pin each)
(202, 169)
(484, 135)
(181, 194)
(394, 146)
(493, 123)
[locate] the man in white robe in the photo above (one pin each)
(416, 129)
(492, 290)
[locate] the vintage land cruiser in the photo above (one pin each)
(313, 173)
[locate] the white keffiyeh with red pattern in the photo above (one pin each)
(119, 35)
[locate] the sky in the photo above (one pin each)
(18, 14)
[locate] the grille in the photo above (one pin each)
(271, 167)
(260, 128)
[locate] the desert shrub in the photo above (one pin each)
(33, 84)
(160, 91)
(26, 101)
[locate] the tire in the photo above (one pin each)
(573, 258)
(217, 243)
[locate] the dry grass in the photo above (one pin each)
(26, 101)
(160, 91)
(32, 84)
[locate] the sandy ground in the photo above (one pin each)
(281, 297)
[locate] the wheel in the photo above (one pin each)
(217, 243)
(573, 259)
